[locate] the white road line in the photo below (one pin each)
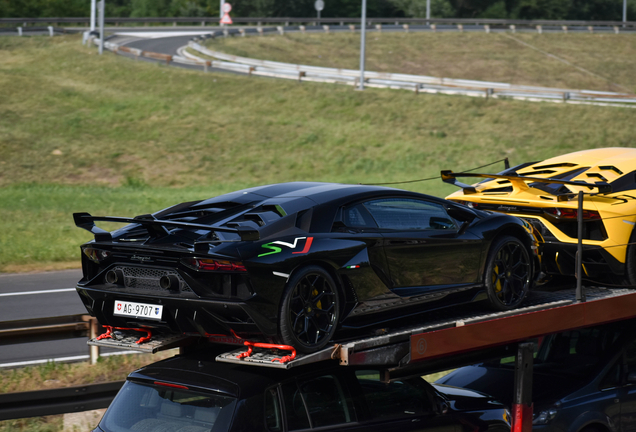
(63, 359)
(162, 34)
(36, 292)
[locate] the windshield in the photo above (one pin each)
(141, 407)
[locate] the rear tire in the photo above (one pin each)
(508, 275)
(310, 310)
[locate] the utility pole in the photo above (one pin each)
(93, 10)
(102, 6)
(363, 37)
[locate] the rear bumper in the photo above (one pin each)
(560, 258)
(180, 315)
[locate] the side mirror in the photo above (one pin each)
(442, 407)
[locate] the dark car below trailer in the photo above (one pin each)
(583, 380)
(195, 394)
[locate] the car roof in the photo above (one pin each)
(200, 371)
(318, 192)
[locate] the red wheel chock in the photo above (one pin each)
(250, 345)
(109, 331)
(284, 359)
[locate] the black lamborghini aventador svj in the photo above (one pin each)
(295, 262)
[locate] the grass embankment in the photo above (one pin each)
(108, 135)
(598, 62)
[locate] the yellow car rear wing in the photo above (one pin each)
(520, 182)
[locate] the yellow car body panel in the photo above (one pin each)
(534, 201)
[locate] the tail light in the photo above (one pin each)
(470, 204)
(165, 384)
(572, 213)
(96, 255)
(215, 265)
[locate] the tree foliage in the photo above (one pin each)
(511, 9)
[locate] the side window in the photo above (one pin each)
(403, 398)
(273, 417)
(357, 216)
(612, 378)
(295, 409)
(322, 399)
(409, 214)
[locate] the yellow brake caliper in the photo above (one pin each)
(314, 293)
(495, 280)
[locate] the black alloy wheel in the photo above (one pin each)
(310, 310)
(508, 274)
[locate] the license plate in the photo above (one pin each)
(137, 310)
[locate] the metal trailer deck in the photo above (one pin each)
(443, 340)
(451, 332)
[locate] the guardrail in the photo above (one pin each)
(54, 401)
(50, 30)
(53, 328)
(57, 401)
(416, 83)
(258, 21)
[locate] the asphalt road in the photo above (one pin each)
(159, 42)
(49, 294)
(40, 295)
(164, 45)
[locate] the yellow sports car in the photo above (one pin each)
(546, 195)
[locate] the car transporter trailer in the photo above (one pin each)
(443, 340)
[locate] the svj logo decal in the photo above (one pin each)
(294, 245)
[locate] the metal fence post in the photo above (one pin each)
(363, 25)
(93, 351)
(580, 295)
(522, 404)
(101, 25)
(93, 10)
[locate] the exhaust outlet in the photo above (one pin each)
(169, 282)
(114, 276)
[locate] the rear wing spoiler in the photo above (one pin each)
(518, 181)
(154, 226)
